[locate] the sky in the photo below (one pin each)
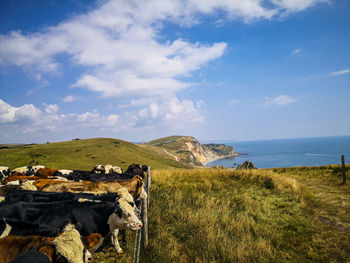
(140, 70)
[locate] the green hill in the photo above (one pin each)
(85, 154)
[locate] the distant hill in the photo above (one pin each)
(187, 149)
(85, 154)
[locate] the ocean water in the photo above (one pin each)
(290, 152)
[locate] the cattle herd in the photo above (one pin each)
(50, 215)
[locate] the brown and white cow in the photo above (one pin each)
(67, 246)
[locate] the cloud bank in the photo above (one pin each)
(122, 52)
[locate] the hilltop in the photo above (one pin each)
(84, 154)
(188, 149)
(167, 152)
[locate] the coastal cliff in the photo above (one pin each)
(189, 150)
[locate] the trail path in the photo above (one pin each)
(332, 201)
(172, 155)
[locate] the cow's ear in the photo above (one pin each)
(119, 212)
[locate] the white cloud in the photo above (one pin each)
(172, 113)
(122, 53)
(291, 6)
(199, 104)
(120, 43)
(69, 98)
(279, 101)
(51, 108)
(341, 72)
(25, 113)
(296, 51)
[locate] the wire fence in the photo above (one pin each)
(142, 234)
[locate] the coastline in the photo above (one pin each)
(236, 154)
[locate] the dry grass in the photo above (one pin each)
(210, 215)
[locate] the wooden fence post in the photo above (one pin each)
(144, 210)
(148, 184)
(144, 214)
(343, 169)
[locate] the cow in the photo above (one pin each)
(4, 172)
(95, 217)
(112, 169)
(133, 185)
(38, 196)
(21, 177)
(87, 176)
(40, 183)
(65, 247)
(45, 172)
(99, 168)
(137, 169)
(63, 172)
(28, 170)
(32, 256)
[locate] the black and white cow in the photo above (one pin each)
(4, 172)
(95, 217)
(27, 170)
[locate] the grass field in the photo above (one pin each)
(85, 154)
(263, 215)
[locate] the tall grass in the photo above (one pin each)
(209, 215)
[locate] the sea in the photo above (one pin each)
(289, 152)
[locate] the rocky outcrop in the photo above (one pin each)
(207, 153)
(188, 149)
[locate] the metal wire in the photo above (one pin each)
(135, 248)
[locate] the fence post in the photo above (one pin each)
(144, 214)
(148, 184)
(144, 210)
(343, 169)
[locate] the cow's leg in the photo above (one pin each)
(123, 232)
(115, 242)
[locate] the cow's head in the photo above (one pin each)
(69, 247)
(124, 216)
(4, 172)
(99, 168)
(35, 168)
(137, 169)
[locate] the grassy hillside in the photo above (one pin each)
(208, 215)
(84, 154)
(262, 215)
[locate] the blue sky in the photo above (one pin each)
(139, 70)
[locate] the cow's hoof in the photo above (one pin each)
(120, 251)
(124, 243)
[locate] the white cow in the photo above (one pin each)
(28, 170)
(4, 172)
